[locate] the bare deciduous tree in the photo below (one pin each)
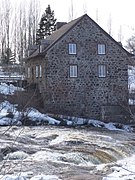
(97, 15)
(18, 26)
(71, 11)
(131, 44)
(120, 35)
(109, 23)
(85, 8)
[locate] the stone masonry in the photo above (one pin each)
(86, 94)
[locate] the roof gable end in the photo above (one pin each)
(57, 35)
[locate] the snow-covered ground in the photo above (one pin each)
(9, 89)
(120, 170)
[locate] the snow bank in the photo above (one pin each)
(9, 89)
(9, 115)
(96, 123)
(35, 115)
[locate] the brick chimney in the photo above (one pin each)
(60, 24)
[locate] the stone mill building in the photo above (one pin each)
(80, 71)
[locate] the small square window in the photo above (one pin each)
(72, 48)
(101, 49)
(73, 71)
(102, 70)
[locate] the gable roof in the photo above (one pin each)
(58, 34)
(63, 30)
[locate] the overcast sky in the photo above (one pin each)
(121, 13)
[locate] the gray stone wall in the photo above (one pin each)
(85, 95)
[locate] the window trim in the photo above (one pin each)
(40, 48)
(102, 71)
(40, 71)
(28, 71)
(101, 49)
(36, 71)
(72, 48)
(73, 73)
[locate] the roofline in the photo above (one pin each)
(96, 25)
(79, 19)
(111, 37)
(33, 57)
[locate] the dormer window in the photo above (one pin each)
(101, 49)
(72, 48)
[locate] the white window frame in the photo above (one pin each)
(101, 49)
(40, 48)
(36, 71)
(28, 53)
(72, 48)
(28, 71)
(73, 71)
(102, 72)
(40, 71)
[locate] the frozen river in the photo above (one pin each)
(63, 153)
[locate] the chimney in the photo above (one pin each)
(60, 24)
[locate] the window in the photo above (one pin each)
(36, 71)
(102, 71)
(40, 71)
(40, 48)
(28, 72)
(73, 71)
(101, 48)
(72, 48)
(28, 53)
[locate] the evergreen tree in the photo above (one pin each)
(7, 57)
(47, 25)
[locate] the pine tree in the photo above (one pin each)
(47, 25)
(7, 57)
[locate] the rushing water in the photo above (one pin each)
(65, 152)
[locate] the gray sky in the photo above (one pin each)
(121, 13)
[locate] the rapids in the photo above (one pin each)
(69, 153)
